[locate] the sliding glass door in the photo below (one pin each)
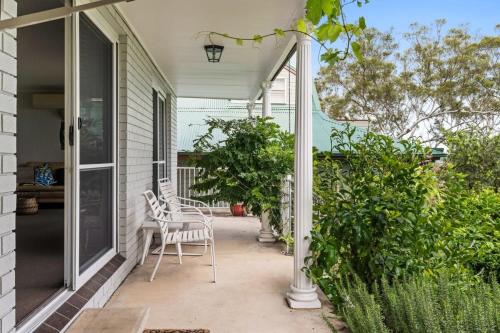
(96, 149)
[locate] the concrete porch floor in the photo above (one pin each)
(249, 295)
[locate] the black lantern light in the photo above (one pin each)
(214, 52)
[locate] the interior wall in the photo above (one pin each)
(38, 132)
(40, 70)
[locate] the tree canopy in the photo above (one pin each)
(428, 81)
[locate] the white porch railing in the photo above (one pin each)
(186, 177)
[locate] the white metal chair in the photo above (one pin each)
(181, 210)
(179, 206)
(162, 218)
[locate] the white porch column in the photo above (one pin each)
(266, 99)
(250, 108)
(302, 294)
(266, 233)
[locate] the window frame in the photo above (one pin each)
(159, 98)
(80, 278)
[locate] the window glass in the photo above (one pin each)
(96, 207)
(96, 94)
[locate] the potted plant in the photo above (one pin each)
(237, 209)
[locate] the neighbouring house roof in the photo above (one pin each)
(192, 113)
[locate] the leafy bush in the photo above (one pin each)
(386, 213)
(469, 226)
(421, 305)
(247, 165)
(476, 155)
(374, 211)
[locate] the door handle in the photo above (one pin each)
(71, 135)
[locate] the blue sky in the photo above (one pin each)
(481, 15)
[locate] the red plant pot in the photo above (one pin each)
(238, 210)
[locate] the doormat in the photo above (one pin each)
(176, 331)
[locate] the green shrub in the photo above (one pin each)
(385, 213)
(374, 208)
(470, 226)
(421, 305)
(246, 164)
(360, 309)
(476, 155)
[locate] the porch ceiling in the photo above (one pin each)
(170, 32)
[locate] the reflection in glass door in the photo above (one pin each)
(96, 144)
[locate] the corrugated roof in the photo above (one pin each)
(192, 113)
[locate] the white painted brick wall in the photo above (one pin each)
(9, 82)
(6, 302)
(7, 223)
(7, 263)
(7, 282)
(8, 123)
(9, 164)
(7, 102)
(8, 203)
(8, 243)
(8, 89)
(8, 321)
(9, 8)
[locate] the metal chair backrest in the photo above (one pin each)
(157, 211)
(168, 194)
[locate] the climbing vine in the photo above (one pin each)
(325, 22)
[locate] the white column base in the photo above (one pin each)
(266, 233)
(303, 298)
(266, 237)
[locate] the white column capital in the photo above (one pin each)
(266, 85)
(303, 38)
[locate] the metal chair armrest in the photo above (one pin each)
(204, 204)
(186, 221)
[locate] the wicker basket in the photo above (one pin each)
(27, 206)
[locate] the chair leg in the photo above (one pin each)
(212, 250)
(179, 252)
(163, 244)
(206, 246)
(148, 235)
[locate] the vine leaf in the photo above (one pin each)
(362, 23)
(279, 32)
(314, 11)
(356, 49)
(257, 38)
(322, 32)
(334, 32)
(239, 41)
(327, 7)
(302, 26)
